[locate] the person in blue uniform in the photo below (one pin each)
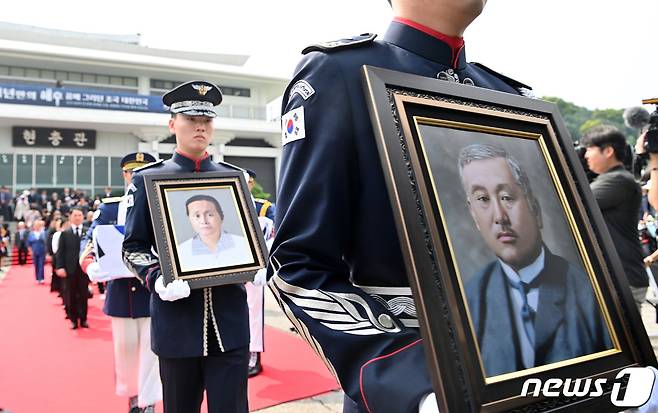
(336, 246)
(127, 302)
(256, 289)
(264, 207)
(201, 336)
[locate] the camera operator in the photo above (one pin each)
(647, 142)
(619, 198)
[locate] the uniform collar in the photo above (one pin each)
(188, 162)
(423, 41)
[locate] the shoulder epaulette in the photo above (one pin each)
(111, 199)
(356, 41)
(521, 87)
(149, 165)
(230, 165)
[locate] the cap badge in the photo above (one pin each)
(202, 89)
(139, 157)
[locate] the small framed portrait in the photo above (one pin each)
(514, 274)
(206, 228)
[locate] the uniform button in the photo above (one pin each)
(385, 320)
(133, 289)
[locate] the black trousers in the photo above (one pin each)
(76, 296)
(22, 255)
(223, 376)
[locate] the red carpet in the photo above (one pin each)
(46, 367)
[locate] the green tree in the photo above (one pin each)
(258, 192)
(579, 119)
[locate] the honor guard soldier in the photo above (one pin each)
(201, 336)
(264, 208)
(336, 239)
(127, 301)
(255, 289)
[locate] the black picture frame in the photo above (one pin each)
(420, 125)
(181, 252)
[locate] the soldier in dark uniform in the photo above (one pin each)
(336, 245)
(256, 289)
(127, 303)
(202, 336)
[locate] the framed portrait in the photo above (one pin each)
(206, 228)
(514, 275)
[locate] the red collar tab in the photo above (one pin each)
(456, 44)
(197, 161)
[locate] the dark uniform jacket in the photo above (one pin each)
(336, 263)
(619, 198)
(178, 328)
(264, 208)
(125, 297)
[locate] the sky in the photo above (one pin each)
(595, 53)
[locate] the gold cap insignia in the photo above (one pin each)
(202, 89)
(139, 157)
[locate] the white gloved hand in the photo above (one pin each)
(428, 404)
(267, 226)
(261, 277)
(95, 273)
(175, 290)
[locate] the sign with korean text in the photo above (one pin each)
(29, 136)
(66, 97)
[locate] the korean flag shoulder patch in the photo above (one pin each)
(292, 126)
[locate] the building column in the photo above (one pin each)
(144, 85)
(216, 150)
(151, 138)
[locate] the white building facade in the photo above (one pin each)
(73, 104)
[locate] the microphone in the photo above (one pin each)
(636, 117)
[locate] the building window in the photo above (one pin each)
(6, 169)
(121, 82)
(23, 171)
(44, 171)
(159, 86)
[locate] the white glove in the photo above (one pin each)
(261, 277)
(175, 290)
(267, 226)
(95, 273)
(428, 404)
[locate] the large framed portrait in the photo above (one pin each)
(514, 275)
(206, 228)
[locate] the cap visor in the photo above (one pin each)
(193, 112)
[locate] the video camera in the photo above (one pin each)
(639, 118)
(651, 139)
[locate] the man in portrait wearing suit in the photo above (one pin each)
(529, 307)
(68, 265)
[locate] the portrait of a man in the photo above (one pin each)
(211, 246)
(529, 307)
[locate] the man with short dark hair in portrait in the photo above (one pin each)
(529, 307)
(620, 199)
(211, 246)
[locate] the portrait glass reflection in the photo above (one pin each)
(208, 231)
(523, 270)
